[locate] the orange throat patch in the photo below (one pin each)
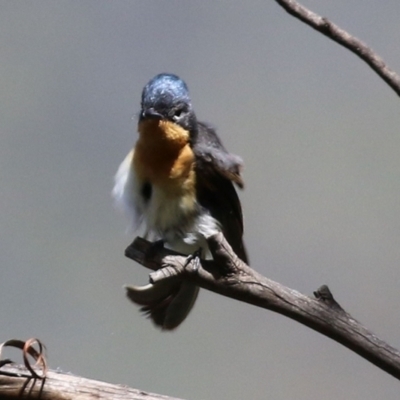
(163, 155)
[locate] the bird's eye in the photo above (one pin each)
(177, 114)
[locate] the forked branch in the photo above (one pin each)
(229, 276)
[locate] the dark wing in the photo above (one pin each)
(216, 171)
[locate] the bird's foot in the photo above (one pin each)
(194, 259)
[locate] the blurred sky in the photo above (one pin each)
(319, 133)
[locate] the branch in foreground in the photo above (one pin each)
(342, 37)
(16, 382)
(229, 276)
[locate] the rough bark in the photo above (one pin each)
(16, 382)
(229, 276)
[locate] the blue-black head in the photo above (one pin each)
(166, 96)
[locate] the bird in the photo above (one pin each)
(179, 183)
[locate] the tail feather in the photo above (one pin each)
(166, 303)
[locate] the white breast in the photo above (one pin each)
(165, 217)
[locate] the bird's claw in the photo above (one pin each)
(194, 259)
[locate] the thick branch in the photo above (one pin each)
(16, 383)
(229, 276)
(342, 37)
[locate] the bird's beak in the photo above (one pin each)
(151, 113)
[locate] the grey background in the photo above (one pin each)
(319, 133)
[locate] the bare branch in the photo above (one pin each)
(342, 37)
(16, 382)
(229, 276)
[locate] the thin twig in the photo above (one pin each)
(342, 37)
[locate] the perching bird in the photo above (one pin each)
(178, 182)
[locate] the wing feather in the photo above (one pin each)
(217, 171)
(125, 192)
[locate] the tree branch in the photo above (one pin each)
(16, 382)
(229, 276)
(334, 32)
